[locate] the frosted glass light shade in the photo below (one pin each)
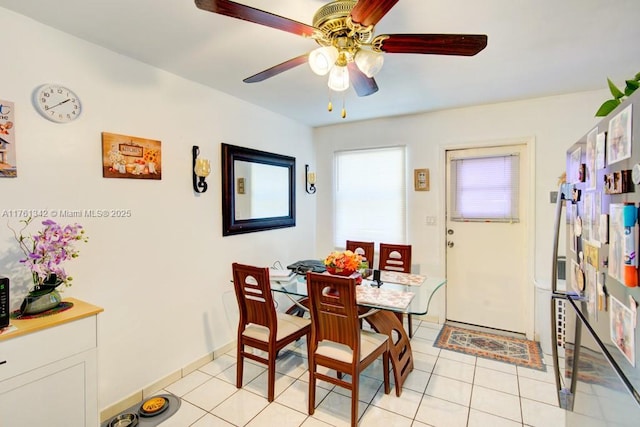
(369, 62)
(203, 167)
(322, 59)
(339, 79)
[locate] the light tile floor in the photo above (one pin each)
(445, 389)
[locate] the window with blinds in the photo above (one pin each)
(485, 188)
(370, 195)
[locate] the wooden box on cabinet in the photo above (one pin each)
(48, 370)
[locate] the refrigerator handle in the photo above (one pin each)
(563, 192)
(555, 343)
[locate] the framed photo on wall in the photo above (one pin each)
(7, 141)
(126, 156)
(421, 179)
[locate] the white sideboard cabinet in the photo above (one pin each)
(48, 370)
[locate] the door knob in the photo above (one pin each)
(450, 243)
(450, 231)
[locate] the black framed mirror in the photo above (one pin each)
(258, 190)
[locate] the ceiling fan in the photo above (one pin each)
(349, 51)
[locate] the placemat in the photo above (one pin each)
(383, 297)
(400, 278)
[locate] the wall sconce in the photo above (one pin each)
(309, 180)
(201, 169)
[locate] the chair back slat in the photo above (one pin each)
(253, 293)
(395, 257)
(366, 249)
(334, 314)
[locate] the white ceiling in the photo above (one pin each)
(535, 48)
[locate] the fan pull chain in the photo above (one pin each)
(343, 113)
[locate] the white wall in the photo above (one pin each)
(162, 275)
(554, 123)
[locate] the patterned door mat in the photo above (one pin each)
(517, 351)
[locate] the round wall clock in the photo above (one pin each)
(57, 103)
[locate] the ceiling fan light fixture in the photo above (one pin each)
(369, 62)
(321, 60)
(339, 79)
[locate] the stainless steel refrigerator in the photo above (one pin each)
(595, 326)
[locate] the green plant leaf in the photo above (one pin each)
(632, 85)
(637, 77)
(607, 107)
(617, 93)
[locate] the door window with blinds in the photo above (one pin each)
(370, 195)
(485, 188)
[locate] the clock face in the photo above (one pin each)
(57, 103)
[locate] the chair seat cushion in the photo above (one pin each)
(369, 342)
(287, 324)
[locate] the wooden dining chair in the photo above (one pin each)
(395, 257)
(366, 249)
(337, 341)
(260, 326)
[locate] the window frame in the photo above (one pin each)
(371, 187)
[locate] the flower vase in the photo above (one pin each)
(344, 273)
(42, 297)
(40, 300)
(339, 271)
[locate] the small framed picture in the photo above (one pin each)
(241, 186)
(7, 141)
(421, 179)
(126, 156)
(619, 136)
(622, 329)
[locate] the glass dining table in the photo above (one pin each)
(382, 306)
(399, 292)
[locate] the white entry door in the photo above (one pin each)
(486, 248)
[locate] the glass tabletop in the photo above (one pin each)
(419, 303)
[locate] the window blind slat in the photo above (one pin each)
(486, 188)
(370, 195)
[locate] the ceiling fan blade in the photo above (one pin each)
(277, 69)
(363, 85)
(257, 16)
(437, 44)
(369, 12)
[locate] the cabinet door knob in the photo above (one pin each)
(2, 362)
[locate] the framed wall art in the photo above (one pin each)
(126, 156)
(7, 141)
(421, 179)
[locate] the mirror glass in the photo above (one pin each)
(258, 190)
